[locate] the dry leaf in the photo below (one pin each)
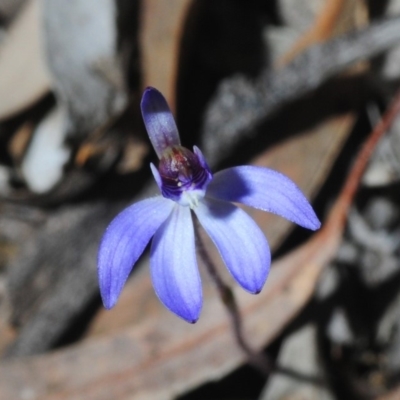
(23, 74)
(46, 155)
(334, 17)
(160, 42)
(8, 8)
(392, 395)
(82, 55)
(19, 142)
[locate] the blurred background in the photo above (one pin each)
(292, 85)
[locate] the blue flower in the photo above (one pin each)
(188, 186)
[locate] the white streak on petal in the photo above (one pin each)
(156, 175)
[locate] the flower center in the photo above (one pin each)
(183, 175)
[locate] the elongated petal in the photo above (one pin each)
(201, 158)
(265, 189)
(174, 271)
(159, 121)
(124, 241)
(242, 245)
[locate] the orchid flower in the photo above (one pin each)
(188, 186)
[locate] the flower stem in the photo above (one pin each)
(257, 359)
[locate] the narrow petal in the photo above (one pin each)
(239, 240)
(124, 241)
(159, 121)
(265, 189)
(174, 271)
(201, 158)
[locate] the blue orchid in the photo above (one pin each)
(188, 186)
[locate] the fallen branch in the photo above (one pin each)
(240, 104)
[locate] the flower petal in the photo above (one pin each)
(174, 271)
(202, 159)
(265, 189)
(124, 241)
(159, 121)
(242, 245)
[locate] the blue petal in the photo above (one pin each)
(124, 241)
(242, 245)
(159, 121)
(265, 189)
(174, 271)
(202, 159)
